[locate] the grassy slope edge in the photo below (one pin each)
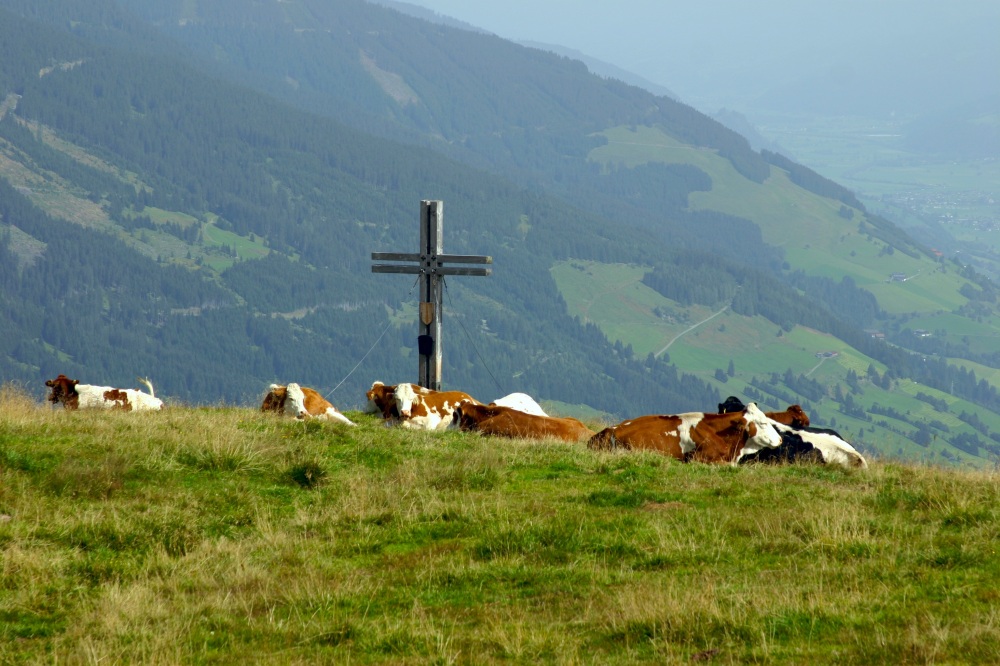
(220, 534)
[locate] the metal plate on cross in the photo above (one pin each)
(427, 313)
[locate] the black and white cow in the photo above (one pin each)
(821, 445)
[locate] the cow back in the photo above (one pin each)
(653, 432)
(522, 402)
(118, 399)
(719, 437)
(315, 403)
(499, 421)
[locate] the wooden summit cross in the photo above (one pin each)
(431, 260)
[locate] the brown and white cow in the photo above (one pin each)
(301, 402)
(382, 400)
(421, 408)
(74, 395)
(694, 436)
(499, 421)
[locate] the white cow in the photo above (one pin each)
(74, 395)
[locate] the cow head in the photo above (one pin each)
(606, 441)
(731, 404)
(793, 416)
(762, 434)
(405, 397)
(796, 417)
(295, 402)
(382, 399)
(64, 391)
(466, 416)
(374, 394)
(274, 401)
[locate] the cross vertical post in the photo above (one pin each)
(431, 260)
(429, 339)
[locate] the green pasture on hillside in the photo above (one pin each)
(785, 212)
(814, 237)
(982, 336)
(225, 535)
(613, 297)
(162, 216)
(214, 237)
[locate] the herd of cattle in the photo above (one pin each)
(736, 434)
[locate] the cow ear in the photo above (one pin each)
(49, 383)
(74, 382)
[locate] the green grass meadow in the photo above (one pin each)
(222, 535)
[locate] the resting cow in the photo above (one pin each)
(694, 436)
(809, 444)
(499, 421)
(302, 403)
(420, 408)
(74, 395)
(802, 443)
(522, 402)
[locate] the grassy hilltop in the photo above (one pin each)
(224, 535)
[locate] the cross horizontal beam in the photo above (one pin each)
(432, 264)
(421, 270)
(440, 258)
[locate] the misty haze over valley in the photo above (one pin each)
(897, 100)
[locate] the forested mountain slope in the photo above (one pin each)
(151, 280)
(192, 191)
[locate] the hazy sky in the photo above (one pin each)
(716, 53)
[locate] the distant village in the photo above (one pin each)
(945, 207)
